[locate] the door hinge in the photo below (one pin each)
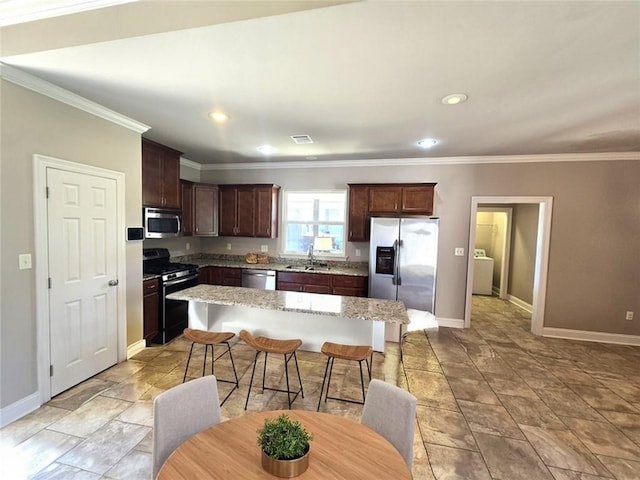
(49, 281)
(51, 370)
(47, 192)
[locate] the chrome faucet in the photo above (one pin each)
(311, 259)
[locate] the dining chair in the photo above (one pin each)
(267, 345)
(391, 411)
(180, 413)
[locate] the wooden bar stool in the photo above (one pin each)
(209, 339)
(271, 345)
(356, 353)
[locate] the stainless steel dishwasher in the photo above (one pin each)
(257, 278)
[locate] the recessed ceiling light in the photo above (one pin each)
(218, 116)
(427, 142)
(266, 149)
(454, 99)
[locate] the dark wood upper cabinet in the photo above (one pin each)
(160, 176)
(205, 210)
(248, 210)
(366, 200)
(186, 194)
(358, 213)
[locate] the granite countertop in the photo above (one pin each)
(356, 308)
(359, 269)
(150, 276)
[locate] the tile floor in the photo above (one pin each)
(494, 402)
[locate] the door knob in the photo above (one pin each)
(113, 283)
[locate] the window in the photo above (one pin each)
(314, 219)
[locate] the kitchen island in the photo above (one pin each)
(314, 318)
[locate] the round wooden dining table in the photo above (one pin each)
(340, 449)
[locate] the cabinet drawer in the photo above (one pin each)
(349, 281)
(150, 286)
(304, 278)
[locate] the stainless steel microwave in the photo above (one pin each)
(162, 223)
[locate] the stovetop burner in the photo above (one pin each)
(168, 268)
(157, 262)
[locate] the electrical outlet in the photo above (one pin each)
(357, 252)
(264, 248)
(228, 246)
(629, 316)
(24, 261)
(459, 252)
(188, 246)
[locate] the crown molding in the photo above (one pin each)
(190, 163)
(397, 162)
(31, 82)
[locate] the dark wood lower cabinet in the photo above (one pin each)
(347, 285)
(151, 309)
(226, 276)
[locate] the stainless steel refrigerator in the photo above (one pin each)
(402, 260)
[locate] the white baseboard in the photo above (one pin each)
(19, 409)
(588, 336)
(450, 322)
(136, 348)
(520, 303)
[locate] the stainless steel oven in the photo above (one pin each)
(174, 314)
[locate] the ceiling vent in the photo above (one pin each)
(301, 139)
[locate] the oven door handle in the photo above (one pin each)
(178, 281)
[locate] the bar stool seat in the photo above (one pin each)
(356, 353)
(267, 345)
(209, 339)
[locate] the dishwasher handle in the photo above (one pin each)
(262, 279)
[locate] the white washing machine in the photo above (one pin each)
(482, 273)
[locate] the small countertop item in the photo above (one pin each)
(341, 448)
(356, 308)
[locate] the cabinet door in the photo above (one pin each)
(151, 176)
(230, 276)
(266, 212)
(417, 200)
(384, 199)
(204, 276)
(358, 213)
(171, 179)
(227, 211)
(205, 199)
(348, 285)
(245, 212)
(186, 190)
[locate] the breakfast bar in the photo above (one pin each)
(314, 318)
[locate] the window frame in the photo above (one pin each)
(284, 222)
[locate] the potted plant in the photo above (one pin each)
(285, 446)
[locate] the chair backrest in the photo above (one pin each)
(180, 413)
(391, 411)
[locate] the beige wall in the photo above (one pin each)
(33, 123)
(595, 208)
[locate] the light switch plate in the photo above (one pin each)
(24, 261)
(459, 252)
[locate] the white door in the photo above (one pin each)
(82, 244)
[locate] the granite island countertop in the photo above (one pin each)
(356, 308)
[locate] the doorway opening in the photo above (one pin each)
(540, 264)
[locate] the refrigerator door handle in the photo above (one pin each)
(396, 280)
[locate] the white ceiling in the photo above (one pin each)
(365, 80)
